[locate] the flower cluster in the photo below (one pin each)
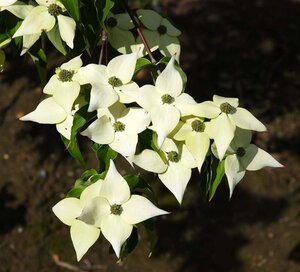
(157, 127)
(184, 129)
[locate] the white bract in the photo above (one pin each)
(165, 101)
(83, 234)
(43, 18)
(119, 35)
(119, 127)
(174, 171)
(159, 33)
(226, 115)
(17, 8)
(115, 211)
(64, 85)
(193, 132)
(109, 82)
(59, 109)
(50, 111)
(242, 156)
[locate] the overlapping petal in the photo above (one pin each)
(138, 209)
(83, 237)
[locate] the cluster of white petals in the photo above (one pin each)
(158, 31)
(185, 129)
(106, 206)
(43, 18)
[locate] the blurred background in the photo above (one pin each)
(245, 49)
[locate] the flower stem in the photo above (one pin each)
(103, 51)
(139, 30)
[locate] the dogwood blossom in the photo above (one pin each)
(165, 101)
(69, 211)
(109, 82)
(64, 85)
(115, 211)
(175, 171)
(50, 111)
(160, 32)
(118, 126)
(226, 115)
(42, 18)
(17, 8)
(119, 35)
(242, 156)
(193, 132)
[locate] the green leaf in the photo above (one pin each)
(104, 154)
(156, 149)
(55, 39)
(103, 8)
(73, 7)
(40, 60)
(141, 64)
(81, 118)
(73, 148)
(139, 186)
(220, 171)
(87, 178)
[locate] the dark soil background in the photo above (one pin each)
(248, 49)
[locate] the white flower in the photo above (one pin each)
(175, 172)
(119, 35)
(226, 117)
(64, 85)
(42, 18)
(109, 82)
(244, 156)
(6, 3)
(115, 211)
(49, 111)
(119, 127)
(165, 101)
(17, 8)
(68, 210)
(193, 132)
(160, 32)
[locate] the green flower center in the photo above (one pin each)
(119, 126)
(167, 99)
(54, 10)
(162, 30)
(173, 156)
(65, 75)
(198, 126)
(111, 22)
(116, 209)
(240, 152)
(115, 82)
(227, 108)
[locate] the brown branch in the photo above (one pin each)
(139, 30)
(103, 52)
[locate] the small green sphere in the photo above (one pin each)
(115, 82)
(173, 156)
(116, 209)
(54, 10)
(65, 75)
(198, 126)
(119, 126)
(227, 108)
(167, 99)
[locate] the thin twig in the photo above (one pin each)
(103, 52)
(139, 30)
(71, 267)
